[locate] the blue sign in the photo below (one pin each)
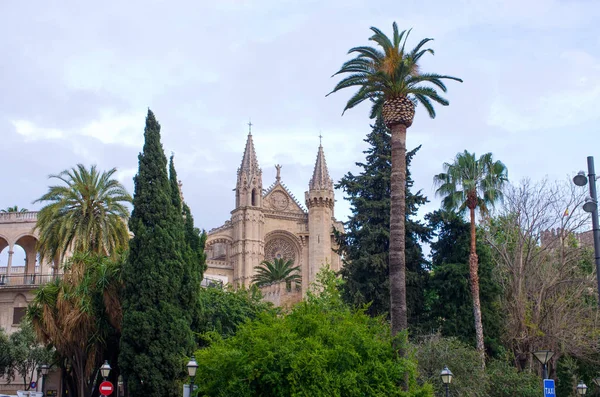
(549, 389)
(32, 385)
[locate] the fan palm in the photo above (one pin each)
(276, 271)
(14, 209)
(391, 79)
(86, 214)
(470, 183)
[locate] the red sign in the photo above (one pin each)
(106, 388)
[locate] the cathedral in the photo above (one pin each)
(270, 223)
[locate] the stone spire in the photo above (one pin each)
(249, 162)
(320, 179)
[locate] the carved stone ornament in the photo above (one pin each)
(279, 200)
(279, 248)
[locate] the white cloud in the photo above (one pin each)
(108, 128)
(31, 132)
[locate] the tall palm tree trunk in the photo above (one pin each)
(398, 309)
(474, 277)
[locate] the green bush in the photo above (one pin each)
(321, 348)
(499, 379)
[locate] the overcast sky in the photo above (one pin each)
(76, 80)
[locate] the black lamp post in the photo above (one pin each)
(543, 356)
(105, 369)
(44, 370)
(591, 206)
(446, 375)
(192, 366)
(581, 388)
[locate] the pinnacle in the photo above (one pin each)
(320, 179)
(249, 161)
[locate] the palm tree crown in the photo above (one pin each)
(88, 213)
(278, 270)
(391, 72)
(470, 183)
(14, 209)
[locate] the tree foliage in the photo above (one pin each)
(469, 183)
(13, 209)
(26, 355)
(321, 348)
(87, 213)
(391, 71)
(450, 307)
(499, 379)
(547, 276)
(80, 316)
(156, 336)
(365, 242)
(279, 269)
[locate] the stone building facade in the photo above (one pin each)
(271, 223)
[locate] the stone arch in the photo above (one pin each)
(283, 244)
(28, 242)
(217, 248)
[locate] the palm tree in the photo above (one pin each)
(14, 209)
(390, 78)
(81, 315)
(469, 183)
(277, 270)
(86, 214)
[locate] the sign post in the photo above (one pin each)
(106, 388)
(549, 389)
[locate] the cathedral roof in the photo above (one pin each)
(320, 179)
(249, 161)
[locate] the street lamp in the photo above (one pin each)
(591, 206)
(105, 369)
(543, 356)
(446, 375)
(44, 370)
(597, 381)
(192, 366)
(581, 388)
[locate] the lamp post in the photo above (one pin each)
(591, 206)
(543, 356)
(192, 366)
(105, 369)
(44, 369)
(581, 388)
(446, 375)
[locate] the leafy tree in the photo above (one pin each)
(86, 214)
(499, 379)
(27, 354)
(365, 242)
(156, 336)
(14, 209)
(224, 310)
(390, 78)
(449, 293)
(321, 348)
(5, 354)
(468, 183)
(80, 315)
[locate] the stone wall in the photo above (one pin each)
(280, 296)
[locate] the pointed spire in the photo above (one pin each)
(321, 179)
(249, 161)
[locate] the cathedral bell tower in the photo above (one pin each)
(320, 202)
(247, 218)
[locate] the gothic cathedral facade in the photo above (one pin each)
(270, 223)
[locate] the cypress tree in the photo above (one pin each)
(365, 243)
(156, 335)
